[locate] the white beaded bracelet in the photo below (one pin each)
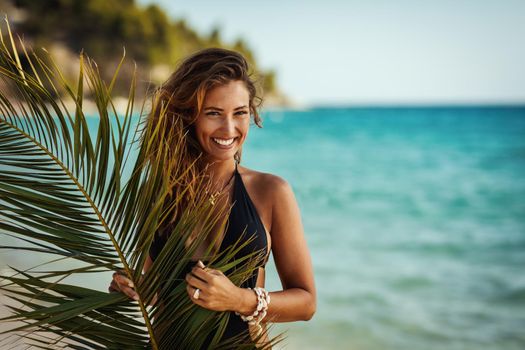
(263, 300)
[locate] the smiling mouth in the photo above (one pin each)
(223, 142)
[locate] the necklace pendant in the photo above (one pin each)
(213, 197)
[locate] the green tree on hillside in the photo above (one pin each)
(104, 28)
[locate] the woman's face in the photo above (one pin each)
(222, 125)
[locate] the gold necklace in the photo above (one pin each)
(213, 196)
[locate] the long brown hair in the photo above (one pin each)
(177, 103)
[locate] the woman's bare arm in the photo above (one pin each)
(297, 300)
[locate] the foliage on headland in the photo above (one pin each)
(104, 28)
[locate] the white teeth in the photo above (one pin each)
(224, 142)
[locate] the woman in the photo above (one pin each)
(215, 96)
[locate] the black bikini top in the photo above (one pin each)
(243, 221)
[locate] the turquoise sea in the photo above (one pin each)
(415, 220)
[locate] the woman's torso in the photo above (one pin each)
(249, 216)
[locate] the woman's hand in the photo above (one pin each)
(216, 291)
(121, 283)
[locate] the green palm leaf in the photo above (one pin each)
(97, 199)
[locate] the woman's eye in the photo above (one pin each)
(217, 113)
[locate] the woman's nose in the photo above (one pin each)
(229, 125)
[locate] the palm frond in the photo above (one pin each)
(97, 199)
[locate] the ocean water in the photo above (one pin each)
(415, 221)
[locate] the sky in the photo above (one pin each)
(377, 51)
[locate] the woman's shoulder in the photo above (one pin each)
(272, 196)
(262, 182)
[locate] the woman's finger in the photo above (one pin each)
(214, 272)
(200, 273)
(130, 293)
(113, 287)
(195, 282)
(202, 266)
(123, 281)
(191, 293)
